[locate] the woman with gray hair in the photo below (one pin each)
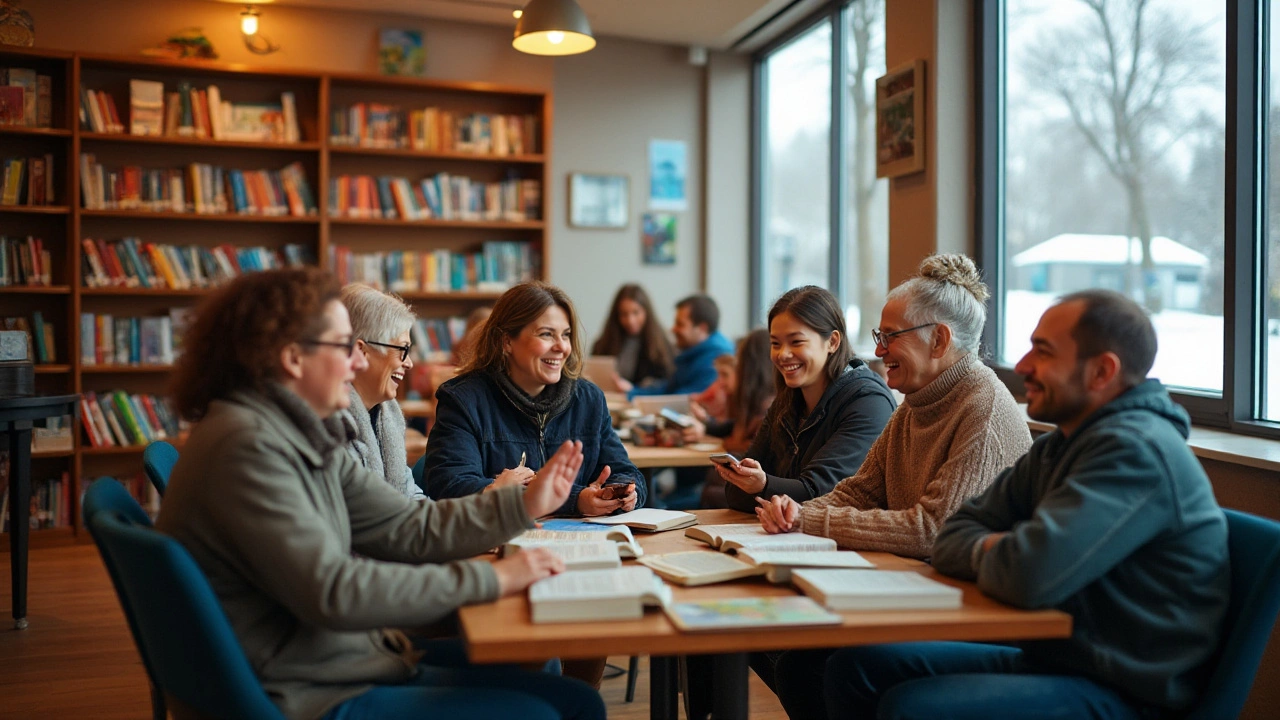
(380, 325)
(956, 429)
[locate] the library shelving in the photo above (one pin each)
(451, 177)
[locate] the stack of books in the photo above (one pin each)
(190, 112)
(117, 418)
(442, 197)
(132, 263)
(198, 188)
(25, 262)
(431, 129)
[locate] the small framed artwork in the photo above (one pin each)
(400, 52)
(900, 129)
(658, 238)
(598, 201)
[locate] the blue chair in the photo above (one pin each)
(158, 461)
(1254, 546)
(177, 622)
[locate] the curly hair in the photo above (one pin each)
(518, 307)
(235, 342)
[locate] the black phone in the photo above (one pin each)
(616, 491)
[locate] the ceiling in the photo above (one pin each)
(715, 24)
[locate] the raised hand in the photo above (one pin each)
(519, 571)
(591, 504)
(550, 487)
(747, 475)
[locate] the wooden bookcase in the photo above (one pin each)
(317, 94)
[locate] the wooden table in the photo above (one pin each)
(660, 457)
(501, 631)
(17, 417)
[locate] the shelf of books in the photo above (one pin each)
(132, 187)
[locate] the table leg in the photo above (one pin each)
(732, 690)
(664, 683)
(19, 513)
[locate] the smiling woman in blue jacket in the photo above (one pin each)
(516, 399)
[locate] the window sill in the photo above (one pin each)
(1211, 444)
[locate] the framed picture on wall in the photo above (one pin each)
(598, 201)
(900, 129)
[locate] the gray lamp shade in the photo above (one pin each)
(553, 27)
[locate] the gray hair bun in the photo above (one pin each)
(957, 270)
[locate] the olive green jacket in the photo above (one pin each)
(313, 557)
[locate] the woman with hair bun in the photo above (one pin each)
(956, 429)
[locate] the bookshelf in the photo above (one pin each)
(519, 167)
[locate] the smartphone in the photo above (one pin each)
(672, 416)
(615, 491)
(724, 459)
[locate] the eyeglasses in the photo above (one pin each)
(349, 346)
(404, 349)
(883, 338)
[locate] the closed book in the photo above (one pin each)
(778, 565)
(876, 590)
(757, 612)
(596, 595)
(44, 101)
(650, 519)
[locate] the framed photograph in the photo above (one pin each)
(658, 238)
(900, 129)
(598, 201)
(400, 52)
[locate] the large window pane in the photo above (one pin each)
(865, 222)
(1114, 169)
(797, 155)
(1271, 286)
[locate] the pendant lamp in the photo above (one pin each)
(553, 27)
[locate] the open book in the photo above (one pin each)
(597, 555)
(651, 519)
(778, 564)
(876, 590)
(751, 536)
(621, 534)
(587, 595)
(699, 567)
(763, 612)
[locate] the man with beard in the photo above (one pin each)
(1109, 518)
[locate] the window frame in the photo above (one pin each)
(1244, 229)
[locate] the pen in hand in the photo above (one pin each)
(522, 459)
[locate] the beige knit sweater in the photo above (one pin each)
(944, 444)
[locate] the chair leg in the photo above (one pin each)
(158, 709)
(633, 669)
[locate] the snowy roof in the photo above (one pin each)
(1107, 250)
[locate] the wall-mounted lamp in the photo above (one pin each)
(253, 40)
(553, 27)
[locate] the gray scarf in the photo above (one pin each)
(381, 452)
(553, 400)
(324, 435)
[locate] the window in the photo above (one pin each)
(1270, 299)
(1114, 164)
(823, 214)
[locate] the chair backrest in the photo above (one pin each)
(158, 460)
(418, 469)
(179, 625)
(1254, 546)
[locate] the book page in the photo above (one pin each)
(647, 516)
(572, 552)
(631, 581)
(787, 558)
(874, 582)
(696, 562)
(790, 542)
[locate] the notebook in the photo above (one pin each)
(594, 595)
(876, 590)
(765, 612)
(651, 519)
(600, 370)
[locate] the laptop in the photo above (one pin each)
(600, 369)
(653, 404)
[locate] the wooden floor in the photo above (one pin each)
(77, 659)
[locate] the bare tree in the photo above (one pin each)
(1122, 77)
(864, 27)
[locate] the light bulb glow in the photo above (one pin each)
(517, 13)
(555, 37)
(249, 23)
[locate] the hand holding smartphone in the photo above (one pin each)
(724, 460)
(616, 491)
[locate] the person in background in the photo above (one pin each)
(751, 392)
(698, 337)
(956, 430)
(381, 324)
(829, 407)
(1110, 518)
(314, 559)
(713, 403)
(475, 321)
(634, 338)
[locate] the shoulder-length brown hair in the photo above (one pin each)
(518, 307)
(753, 390)
(235, 342)
(818, 309)
(653, 341)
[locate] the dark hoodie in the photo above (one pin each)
(1116, 525)
(829, 445)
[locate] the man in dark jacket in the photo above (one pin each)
(1109, 518)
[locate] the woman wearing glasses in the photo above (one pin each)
(957, 428)
(315, 559)
(381, 324)
(828, 409)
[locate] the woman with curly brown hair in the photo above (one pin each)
(314, 558)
